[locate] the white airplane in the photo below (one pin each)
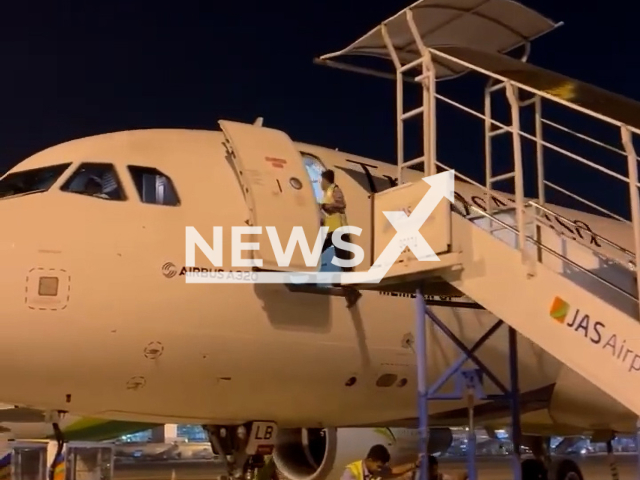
(94, 244)
(110, 268)
(349, 444)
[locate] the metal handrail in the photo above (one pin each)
(512, 89)
(554, 253)
(535, 204)
(595, 235)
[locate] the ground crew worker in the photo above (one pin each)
(333, 207)
(375, 466)
(434, 472)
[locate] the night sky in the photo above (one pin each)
(81, 68)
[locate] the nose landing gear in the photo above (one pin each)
(243, 446)
(56, 469)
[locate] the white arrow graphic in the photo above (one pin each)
(408, 231)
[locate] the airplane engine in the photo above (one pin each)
(322, 454)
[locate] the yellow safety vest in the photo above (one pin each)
(335, 220)
(357, 469)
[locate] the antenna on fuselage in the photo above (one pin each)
(258, 122)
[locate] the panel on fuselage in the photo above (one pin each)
(277, 188)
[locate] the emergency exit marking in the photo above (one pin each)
(276, 162)
(48, 286)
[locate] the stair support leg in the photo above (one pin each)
(514, 397)
(638, 448)
(423, 389)
(468, 385)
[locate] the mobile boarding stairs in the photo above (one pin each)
(577, 301)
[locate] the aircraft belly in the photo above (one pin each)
(271, 358)
(576, 401)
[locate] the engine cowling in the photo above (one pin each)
(322, 454)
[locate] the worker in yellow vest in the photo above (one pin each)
(334, 207)
(375, 466)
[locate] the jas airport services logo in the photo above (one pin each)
(559, 310)
(596, 332)
(169, 270)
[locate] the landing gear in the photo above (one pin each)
(56, 468)
(243, 446)
(258, 467)
(227, 441)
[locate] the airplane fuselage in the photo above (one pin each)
(126, 338)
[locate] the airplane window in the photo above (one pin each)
(314, 168)
(31, 181)
(154, 186)
(98, 180)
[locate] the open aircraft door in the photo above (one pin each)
(276, 187)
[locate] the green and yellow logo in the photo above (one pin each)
(559, 310)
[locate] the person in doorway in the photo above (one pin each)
(375, 466)
(333, 208)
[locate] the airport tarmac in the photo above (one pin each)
(594, 467)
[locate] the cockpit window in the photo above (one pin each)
(31, 181)
(154, 186)
(98, 180)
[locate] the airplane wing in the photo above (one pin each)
(20, 415)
